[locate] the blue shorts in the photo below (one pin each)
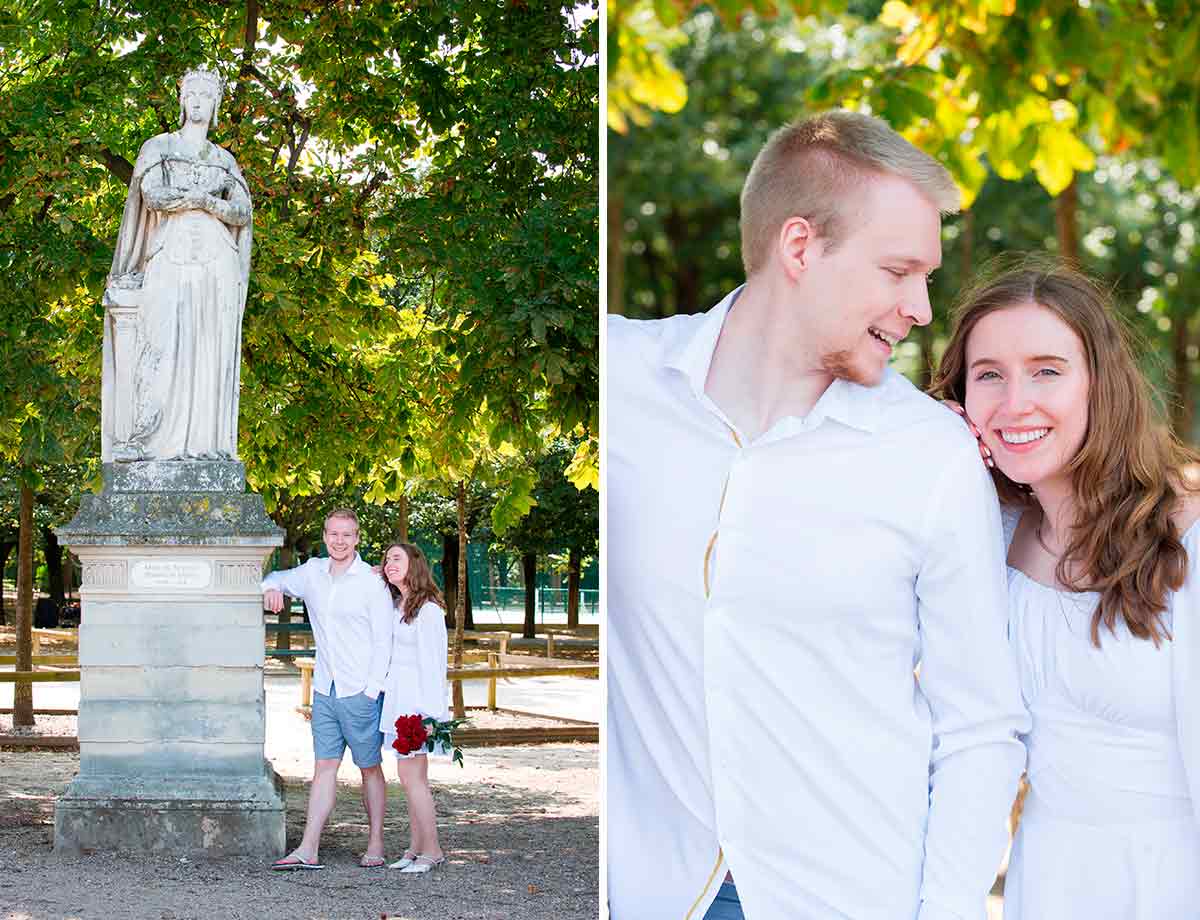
(727, 906)
(351, 721)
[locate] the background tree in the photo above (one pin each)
(1069, 128)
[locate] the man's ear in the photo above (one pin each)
(794, 246)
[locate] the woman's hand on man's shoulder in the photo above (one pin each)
(985, 452)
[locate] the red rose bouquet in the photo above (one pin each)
(410, 734)
(414, 733)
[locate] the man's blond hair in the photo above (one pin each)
(345, 514)
(814, 168)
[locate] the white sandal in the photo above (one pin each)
(406, 860)
(423, 863)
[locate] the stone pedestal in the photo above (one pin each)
(172, 713)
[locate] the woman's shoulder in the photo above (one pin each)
(1187, 511)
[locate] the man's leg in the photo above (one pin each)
(374, 796)
(328, 747)
(321, 798)
(360, 726)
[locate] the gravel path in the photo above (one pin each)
(519, 826)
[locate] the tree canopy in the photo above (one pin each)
(425, 210)
(1071, 127)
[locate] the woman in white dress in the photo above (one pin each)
(416, 685)
(1104, 595)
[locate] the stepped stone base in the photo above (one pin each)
(198, 815)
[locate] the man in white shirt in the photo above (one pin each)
(350, 609)
(792, 529)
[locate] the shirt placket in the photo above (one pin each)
(330, 598)
(715, 698)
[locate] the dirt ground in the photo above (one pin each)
(519, 826)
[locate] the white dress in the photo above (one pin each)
(416, 680)
(1108, 829)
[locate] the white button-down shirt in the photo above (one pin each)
(768, 602)
(352, 618)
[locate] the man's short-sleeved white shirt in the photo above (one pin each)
(767, 604)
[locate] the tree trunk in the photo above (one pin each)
(925, 340)
(529, 568)
(1181, 405)
(449, 576)
(470, 605)
(402, 519)
(54, 567)
(573, 564)
(1064, 219)
(616, 258)
(69, 573)
(23, 693)
(5, 549)
(283, 639)
(460, 609)
(967, 235)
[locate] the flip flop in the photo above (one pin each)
(372, 862)
(289, 863)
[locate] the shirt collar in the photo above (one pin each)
(849, 403)
(356, 567)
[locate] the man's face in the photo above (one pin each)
(341, 538)
(872, 288)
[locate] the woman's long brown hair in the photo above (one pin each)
(419, 584)
(1130, 469)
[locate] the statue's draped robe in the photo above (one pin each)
(194, 267)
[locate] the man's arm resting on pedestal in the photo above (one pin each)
(292, 582)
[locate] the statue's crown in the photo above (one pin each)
(203, 73)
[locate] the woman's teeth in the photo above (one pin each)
(1024, 437)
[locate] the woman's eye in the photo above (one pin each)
(1049, 371)
(987, 375)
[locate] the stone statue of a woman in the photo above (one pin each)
(176, 294)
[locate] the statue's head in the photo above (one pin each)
(200, 89)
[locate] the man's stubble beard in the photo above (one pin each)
(842, 366)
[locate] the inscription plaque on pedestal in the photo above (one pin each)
(176, 574)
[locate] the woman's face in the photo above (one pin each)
(395, 566)
(1027, 391)
(198, 98)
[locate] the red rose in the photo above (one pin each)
(410, 734)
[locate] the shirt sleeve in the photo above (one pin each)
(433, 644)
(969, 680)
(1185, 663)
(382, 616)
(292, 582)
